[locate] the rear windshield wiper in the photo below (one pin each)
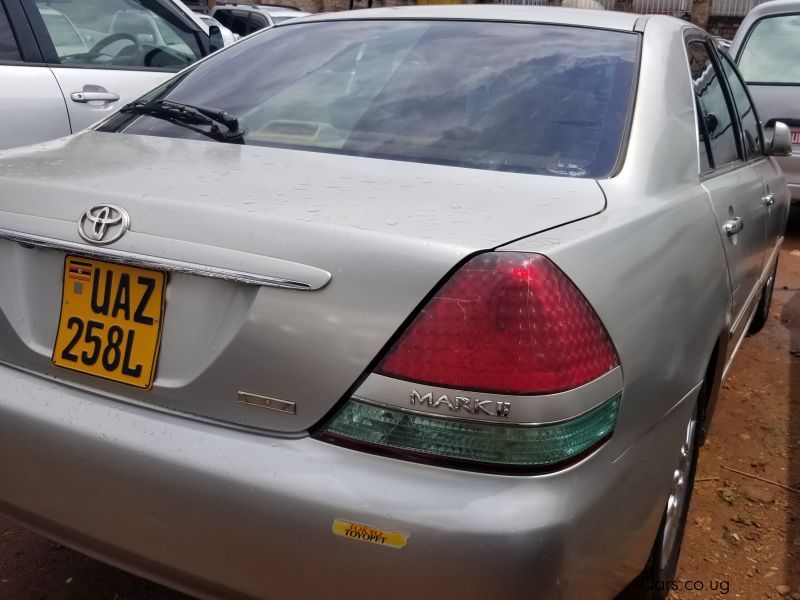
(219, 125)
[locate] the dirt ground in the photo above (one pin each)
(743, 534)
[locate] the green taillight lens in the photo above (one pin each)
(532, 447)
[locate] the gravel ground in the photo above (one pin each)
(743, 534)
(741, 530)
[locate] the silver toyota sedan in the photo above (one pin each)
(400, 303)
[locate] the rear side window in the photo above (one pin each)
(771, 53)
(504, 96)
(8, 45)
(717, 122)
(224, 17)
(751, 130)
(257, 22)
(238, 23)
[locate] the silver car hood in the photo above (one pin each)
(386, 231)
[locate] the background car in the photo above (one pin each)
(427, 296)
(280, 13)
(244, 19)
(65, 65)
(767, 50)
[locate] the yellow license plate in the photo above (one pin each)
(110, 323)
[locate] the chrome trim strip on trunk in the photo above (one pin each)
(163, 264)
(545, 409)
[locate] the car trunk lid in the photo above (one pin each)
(370, 238)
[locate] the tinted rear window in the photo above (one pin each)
(772, 51)
(503, 96)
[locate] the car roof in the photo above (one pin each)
(282, 12)
(493, 12)
(276, 6)
(279, 10)
(246, 7)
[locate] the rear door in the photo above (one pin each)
(105, 53)
(733, 185)
(771, 175)
(32, 108)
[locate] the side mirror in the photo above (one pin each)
(780, 143)
(215, 41)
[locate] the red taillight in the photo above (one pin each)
(506, 322)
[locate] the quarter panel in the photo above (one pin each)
(652, 264)
(657, 277)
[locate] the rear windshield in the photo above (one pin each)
(503, 96)
(772, 51)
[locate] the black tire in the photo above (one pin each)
(762, 312)
(654, 582)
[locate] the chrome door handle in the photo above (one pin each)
(84, 97)
(769, 199)
(733, 226)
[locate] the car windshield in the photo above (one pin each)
(504, 96)
(771, 52)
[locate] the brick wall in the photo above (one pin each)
(724, 26)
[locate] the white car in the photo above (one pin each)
(65, 65)
(244, 19)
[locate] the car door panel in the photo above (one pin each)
(734, 186)
(105, 53)
(33, 108)
(774, 199)
(81, 85)
(734, 195)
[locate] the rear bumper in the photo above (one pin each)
(220, 512)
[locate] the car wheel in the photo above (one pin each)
(653, 583)
(762, 312)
